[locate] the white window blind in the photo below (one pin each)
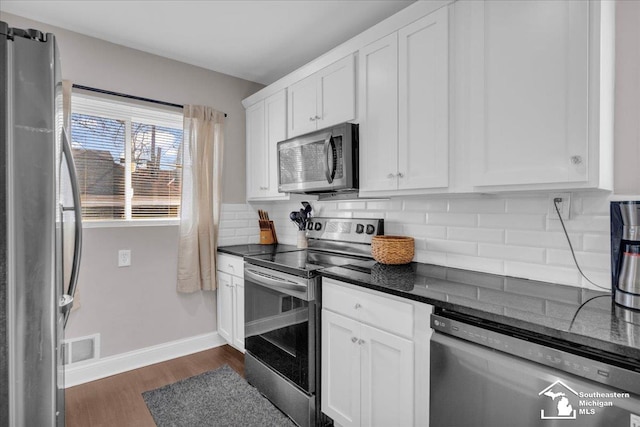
(127, 158)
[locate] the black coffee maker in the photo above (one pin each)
(625, 253)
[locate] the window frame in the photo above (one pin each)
(132, 111)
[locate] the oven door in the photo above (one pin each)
(280, 323)
(319, 161)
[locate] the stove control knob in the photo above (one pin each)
(359, 228)
(310, 225)
(370, 229)
(318, 226)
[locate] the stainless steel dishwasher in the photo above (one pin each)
(483, 374)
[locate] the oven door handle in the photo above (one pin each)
(277, 283)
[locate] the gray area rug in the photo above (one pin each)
(215, 398)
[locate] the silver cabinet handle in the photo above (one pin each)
(576, 160)
(354, 339)
(360, 342)
(318, 118)
(391, 175)
(357, 306)
(400, 175)
(312, 119)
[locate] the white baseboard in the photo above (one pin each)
(96, 369)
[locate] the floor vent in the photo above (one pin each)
(81, 349)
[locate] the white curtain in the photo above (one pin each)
(202, 151)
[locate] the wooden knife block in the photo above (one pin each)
(267, 233)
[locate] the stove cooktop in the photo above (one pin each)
(303, 263)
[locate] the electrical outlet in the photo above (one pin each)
(124, 258)
(564, 205)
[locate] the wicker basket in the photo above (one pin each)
(392, 249)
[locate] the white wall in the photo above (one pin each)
(138, 306)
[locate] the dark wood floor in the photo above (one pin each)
(117, 401)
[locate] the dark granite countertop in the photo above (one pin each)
(580, 316)
(255, 249)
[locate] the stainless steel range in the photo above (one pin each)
(282, 319)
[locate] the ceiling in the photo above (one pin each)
(257, 40)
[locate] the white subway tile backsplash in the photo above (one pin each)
(477, 205)
(429, 257)
(406, 217)
(384, 205)
(489, 235)
(546, 239)
(352, 205)
(582, 223)
(496, 234)
(590, 260)
(594, 205)
(395, 229)
(459, 219)
(597, 243)
(452, 246)
(534, 271)
(512, 221)
(438, 205)
(422, 231)
(486, 265)
(517, 253)
(529, 205)
(601, 278)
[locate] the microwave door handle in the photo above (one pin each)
(329, 171)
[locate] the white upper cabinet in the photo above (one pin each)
(423, 107)
(404, 108)
(532, 114)
(266, 126)
(378, 106)
(323, 99)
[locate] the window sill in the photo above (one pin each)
(131, 223)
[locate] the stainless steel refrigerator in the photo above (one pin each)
(40, 230)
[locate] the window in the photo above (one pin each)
(127, 158)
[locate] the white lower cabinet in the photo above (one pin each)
(231, 300)
(375, 358)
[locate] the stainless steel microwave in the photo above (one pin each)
(324, 161)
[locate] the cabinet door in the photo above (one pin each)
(238, 313)
(529, 67)
(256, 173)
(225, 306)
(423, 102)
(387, 378)
(340, 369)
(301, 107)
(336, 93)
(276, 130)
(378, 107)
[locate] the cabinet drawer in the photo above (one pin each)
(230, 264)
(374, 309)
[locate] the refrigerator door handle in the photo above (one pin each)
(66, 301)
